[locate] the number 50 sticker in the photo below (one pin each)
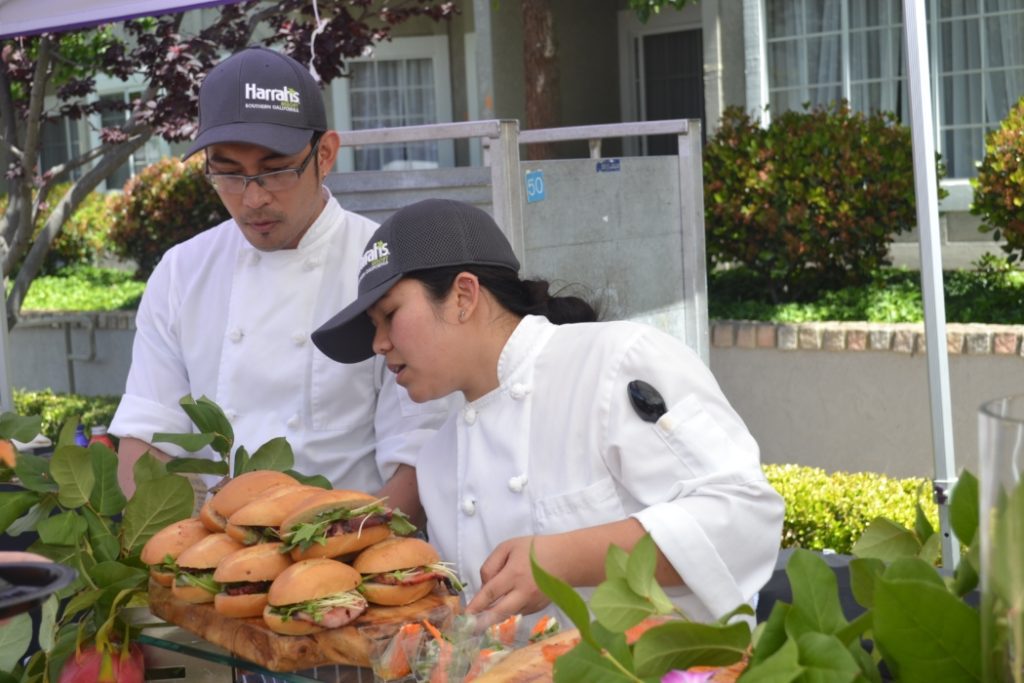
(534, 186)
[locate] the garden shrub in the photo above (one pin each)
(166, 203)
(832, 510)
(82, 238)
(56, 409)
(811, 202)
(999, 187)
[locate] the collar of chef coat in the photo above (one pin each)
(527, 340)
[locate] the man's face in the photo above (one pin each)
(273, 220)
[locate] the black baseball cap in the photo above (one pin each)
(260, 97)
(433, 233)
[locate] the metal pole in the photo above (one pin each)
(6, 395)
(915, 31)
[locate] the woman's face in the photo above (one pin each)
(416, 336)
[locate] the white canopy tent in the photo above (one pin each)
(22, 17)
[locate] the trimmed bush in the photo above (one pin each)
(811, 202)
(82, 238)
(832, 510)
(999, 187)
(56, 409)
(167, 203)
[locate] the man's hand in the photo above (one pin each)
(508, 586)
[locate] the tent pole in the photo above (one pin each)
(915, 30)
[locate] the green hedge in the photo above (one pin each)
(832, 510)
(56, 409)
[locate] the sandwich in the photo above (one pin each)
(244, 578)
(335, 523)
(313, 595)
(163, 548)
(240, 490)
(397, 571)
(194, 581)
(259, 520)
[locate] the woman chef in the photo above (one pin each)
(548, 448)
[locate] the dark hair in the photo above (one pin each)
(521, 297)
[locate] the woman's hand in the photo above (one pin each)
(508, 586)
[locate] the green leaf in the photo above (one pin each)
(106, 497)
(886, 540)
(913, 569)
(30, 520)
(116, 576)
(14, 504)
(682, 644)
(275, 454)
(565, 598)
(864, 571)
(614, 644)
(617, 607)
(825, 658)
(931, 550)
(23, 429)
(772, 633)
(963, 508)
(584, 663)
(196, 466)
(67, 528)
(156, 503)
(641, 565)
(71, 469)
(105, 545)
(925, 633)
(34, 473)
(48, 622)
(15, 637)
(241, 461)
(190, 442)
(82, 601)
(965, 577)
(210, 419)
(815, 595)
(782, 666)
(922, 527)
(318, 480)
(616, 562)
(66, 437)
(148, 467)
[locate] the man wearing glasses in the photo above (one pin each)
(228, 313)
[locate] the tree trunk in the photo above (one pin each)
(540, 62)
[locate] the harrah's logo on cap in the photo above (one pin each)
(280, 99)
(373, 258)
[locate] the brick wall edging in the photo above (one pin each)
(101, 320)
(907, 338)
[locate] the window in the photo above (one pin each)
(405, 83)
(59, 142)
(818, 51)
(144, 156)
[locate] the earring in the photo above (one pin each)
(462, 314)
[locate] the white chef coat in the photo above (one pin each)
(224, 320)
(558, 447)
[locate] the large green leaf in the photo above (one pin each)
(34, 473)
(824, 658)
(640, 569)
(584, 663)
(863, 573)
(156, 503)
(682, 644)
(66, 528)
(105, 545)
(783, 666)
(106, 497)
(196, 466)
(114, 577)
(66, 437)
(925, 633)
(275, 454)
(318, 480)
(886, 540)
(210, 419)
(772, 633)
(613, 644)
(71, 468)
(963, 508)
(48, 622)
(148, 467)
(241, 461)
(23, 429)
(565, 598)
(82, 600)
(616, 562)
(30, 520)
(15, 637)
(617, 607)
(816, 605)
(13, 504)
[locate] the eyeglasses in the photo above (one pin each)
(271, 181)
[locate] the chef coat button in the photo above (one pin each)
(469, 415)
(231, 415)
(517, 484)
(311, 263)
(469, 506)
(518, 391)
(299, 338)
(254, 258)
(293, 421)
(236, 334)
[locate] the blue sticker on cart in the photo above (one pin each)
(608, 166)
(534, 186)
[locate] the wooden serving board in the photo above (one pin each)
(250, 639)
